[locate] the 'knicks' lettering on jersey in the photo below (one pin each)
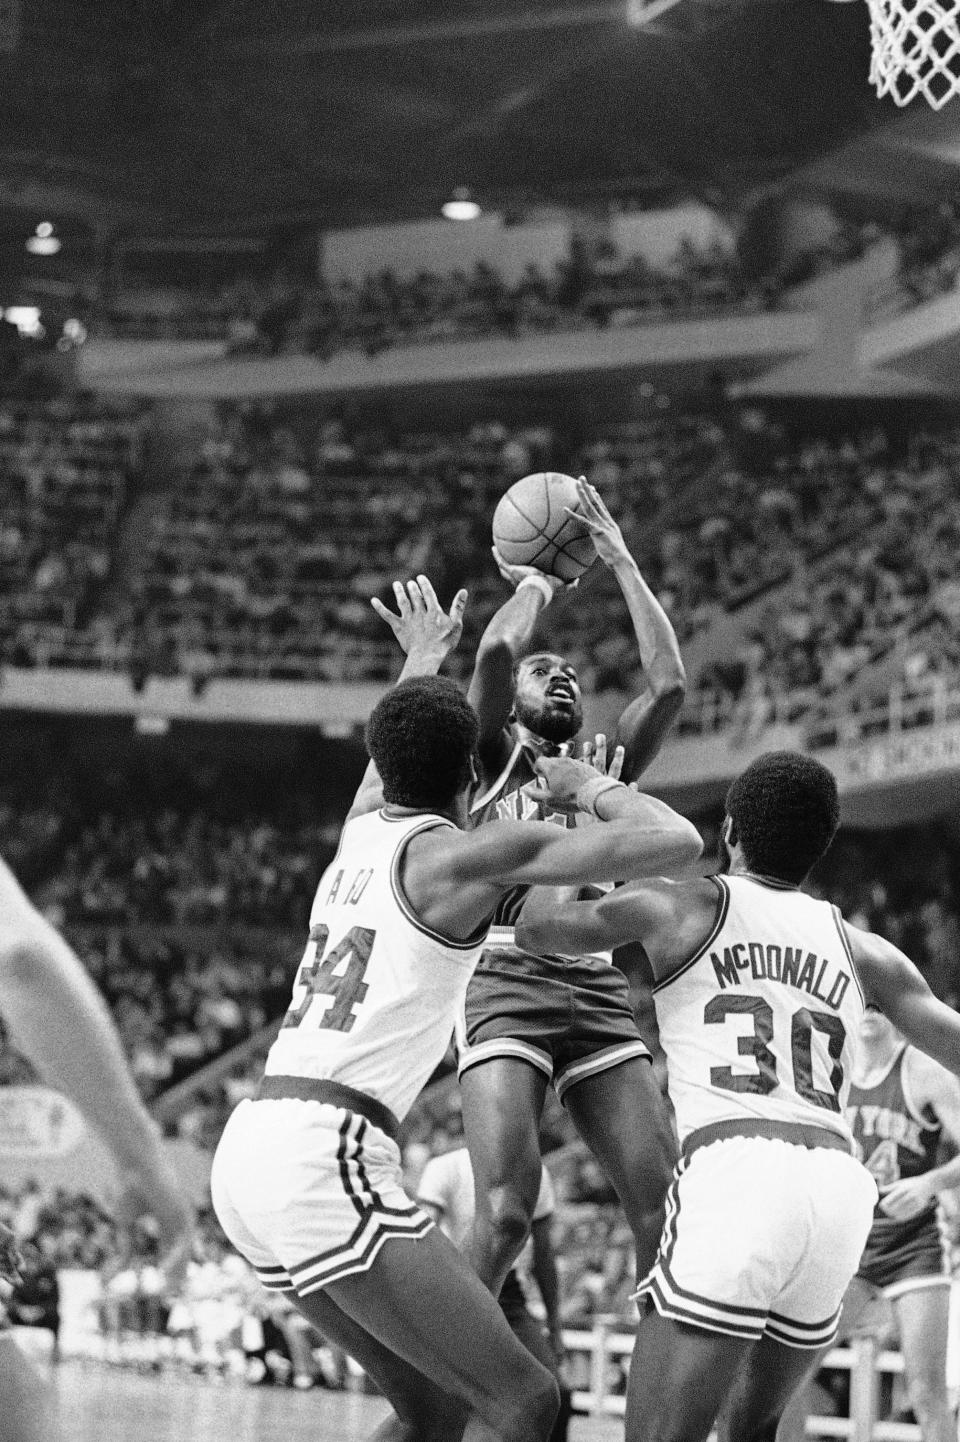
(790, 965)
(517, 806)
(886, 1125)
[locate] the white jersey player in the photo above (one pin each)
(306, 1180)
(759, 991)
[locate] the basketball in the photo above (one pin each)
(531, 526)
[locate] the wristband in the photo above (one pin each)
(540, 583)
(590, 792)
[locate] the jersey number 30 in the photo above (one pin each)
(321, 978)
(804, 1023)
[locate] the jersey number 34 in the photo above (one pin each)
(328, 976)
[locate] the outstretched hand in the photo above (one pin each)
(606, 534)
(423, 629)
(594, 753)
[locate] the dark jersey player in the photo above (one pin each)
(901, 1106)
(532, 1020)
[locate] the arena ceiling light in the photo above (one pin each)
(43, 241)
(460, 206)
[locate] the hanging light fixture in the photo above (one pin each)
(43, 241)
(460, 206)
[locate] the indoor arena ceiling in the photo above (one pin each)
(220, 114)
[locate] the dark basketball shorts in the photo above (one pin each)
(569, 1019)
(906, 1257)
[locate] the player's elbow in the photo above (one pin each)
(533, 933)
(680, 847)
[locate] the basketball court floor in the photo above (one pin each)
(102, 1404)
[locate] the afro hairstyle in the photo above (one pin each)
(785, 810)
(422, 737)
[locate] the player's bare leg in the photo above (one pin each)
(502, 1105)
(679, 1377)
(422, 1303)
(770, 1375)
(422, 1410)
(27, 1411)
(923, 1318)
(793, 1419)
(621, 1116)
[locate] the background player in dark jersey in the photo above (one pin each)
(528, 1020)
(901, 1106)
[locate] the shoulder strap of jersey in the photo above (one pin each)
(719, 917)
(485, 796)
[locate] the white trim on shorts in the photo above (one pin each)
(376, 1224)
(503, 1046)
(597, 1062)
(917, 1284)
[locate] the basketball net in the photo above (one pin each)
(916, 49)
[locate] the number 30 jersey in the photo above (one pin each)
(761, 1021)
(377, 993)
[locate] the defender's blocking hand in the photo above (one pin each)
(595, 754)
(560, 780)
(421, 625)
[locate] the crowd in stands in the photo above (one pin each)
(929, 256)
(287, 313)
(258, 559)
(65, 464)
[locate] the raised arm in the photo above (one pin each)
(427, 634)
(61, 1023)
(933, 1088)
(891, 982)
(645, 723)
(506, 639)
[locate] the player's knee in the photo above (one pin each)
(529, 1414)
(507, 1215)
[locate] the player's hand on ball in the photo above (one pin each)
(595, 754)
(515, 574)
(607, 535)
(421, 625)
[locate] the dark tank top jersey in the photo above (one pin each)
(894, 1139)
(503, 800)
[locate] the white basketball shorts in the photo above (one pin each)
(762, 1238)
(308, 1192)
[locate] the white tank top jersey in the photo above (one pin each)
(377, 994)
(761, 1022)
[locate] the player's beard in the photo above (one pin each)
(553, 725)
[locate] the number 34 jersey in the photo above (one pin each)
(377, 993)
(761, 1021)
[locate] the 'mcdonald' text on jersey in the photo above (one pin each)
(790, 965)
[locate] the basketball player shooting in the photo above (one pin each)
(531, 1020)
(306, 1179)
(760, 992)
(61, 1024)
